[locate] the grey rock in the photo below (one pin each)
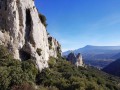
(76, 60)
(72, 58)
(22, 31)
(54, 47)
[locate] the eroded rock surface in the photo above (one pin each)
(54, 47)
(75, 59)
(22, 31)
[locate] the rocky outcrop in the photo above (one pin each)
(54, 47)
(79, 60)
(76, 60)
(72, 58)
(22, 31)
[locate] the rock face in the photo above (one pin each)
(76, 60)
(54, 47)
(22, 31)
(72, 58)
(79, 61)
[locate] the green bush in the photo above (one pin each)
(4, 53)
(65, 76)
(61, 75)
(43, 19)
(39, 51)
(13, 72)
(5, 79)
(24, 86)
(47, 88)
(52, 62)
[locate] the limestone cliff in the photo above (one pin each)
(76, 60)
(54, 47)
(22, 31)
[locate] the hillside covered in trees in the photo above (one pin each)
(61, 75)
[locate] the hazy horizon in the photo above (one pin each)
(91, 45)
(77, 23)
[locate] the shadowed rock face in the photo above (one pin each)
(72, 58)
(22, 32)
(77, 60)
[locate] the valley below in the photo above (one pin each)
(98, 63)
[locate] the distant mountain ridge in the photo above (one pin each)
(102, 47)
(93, 55)
(95, 50)
(99, 49)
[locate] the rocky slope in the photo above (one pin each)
(23, 32)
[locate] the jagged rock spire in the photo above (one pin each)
(75, 59)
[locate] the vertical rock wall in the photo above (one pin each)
(22, 31)
(54, 47)
(79, 60)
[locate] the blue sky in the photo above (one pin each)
(76, 23)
